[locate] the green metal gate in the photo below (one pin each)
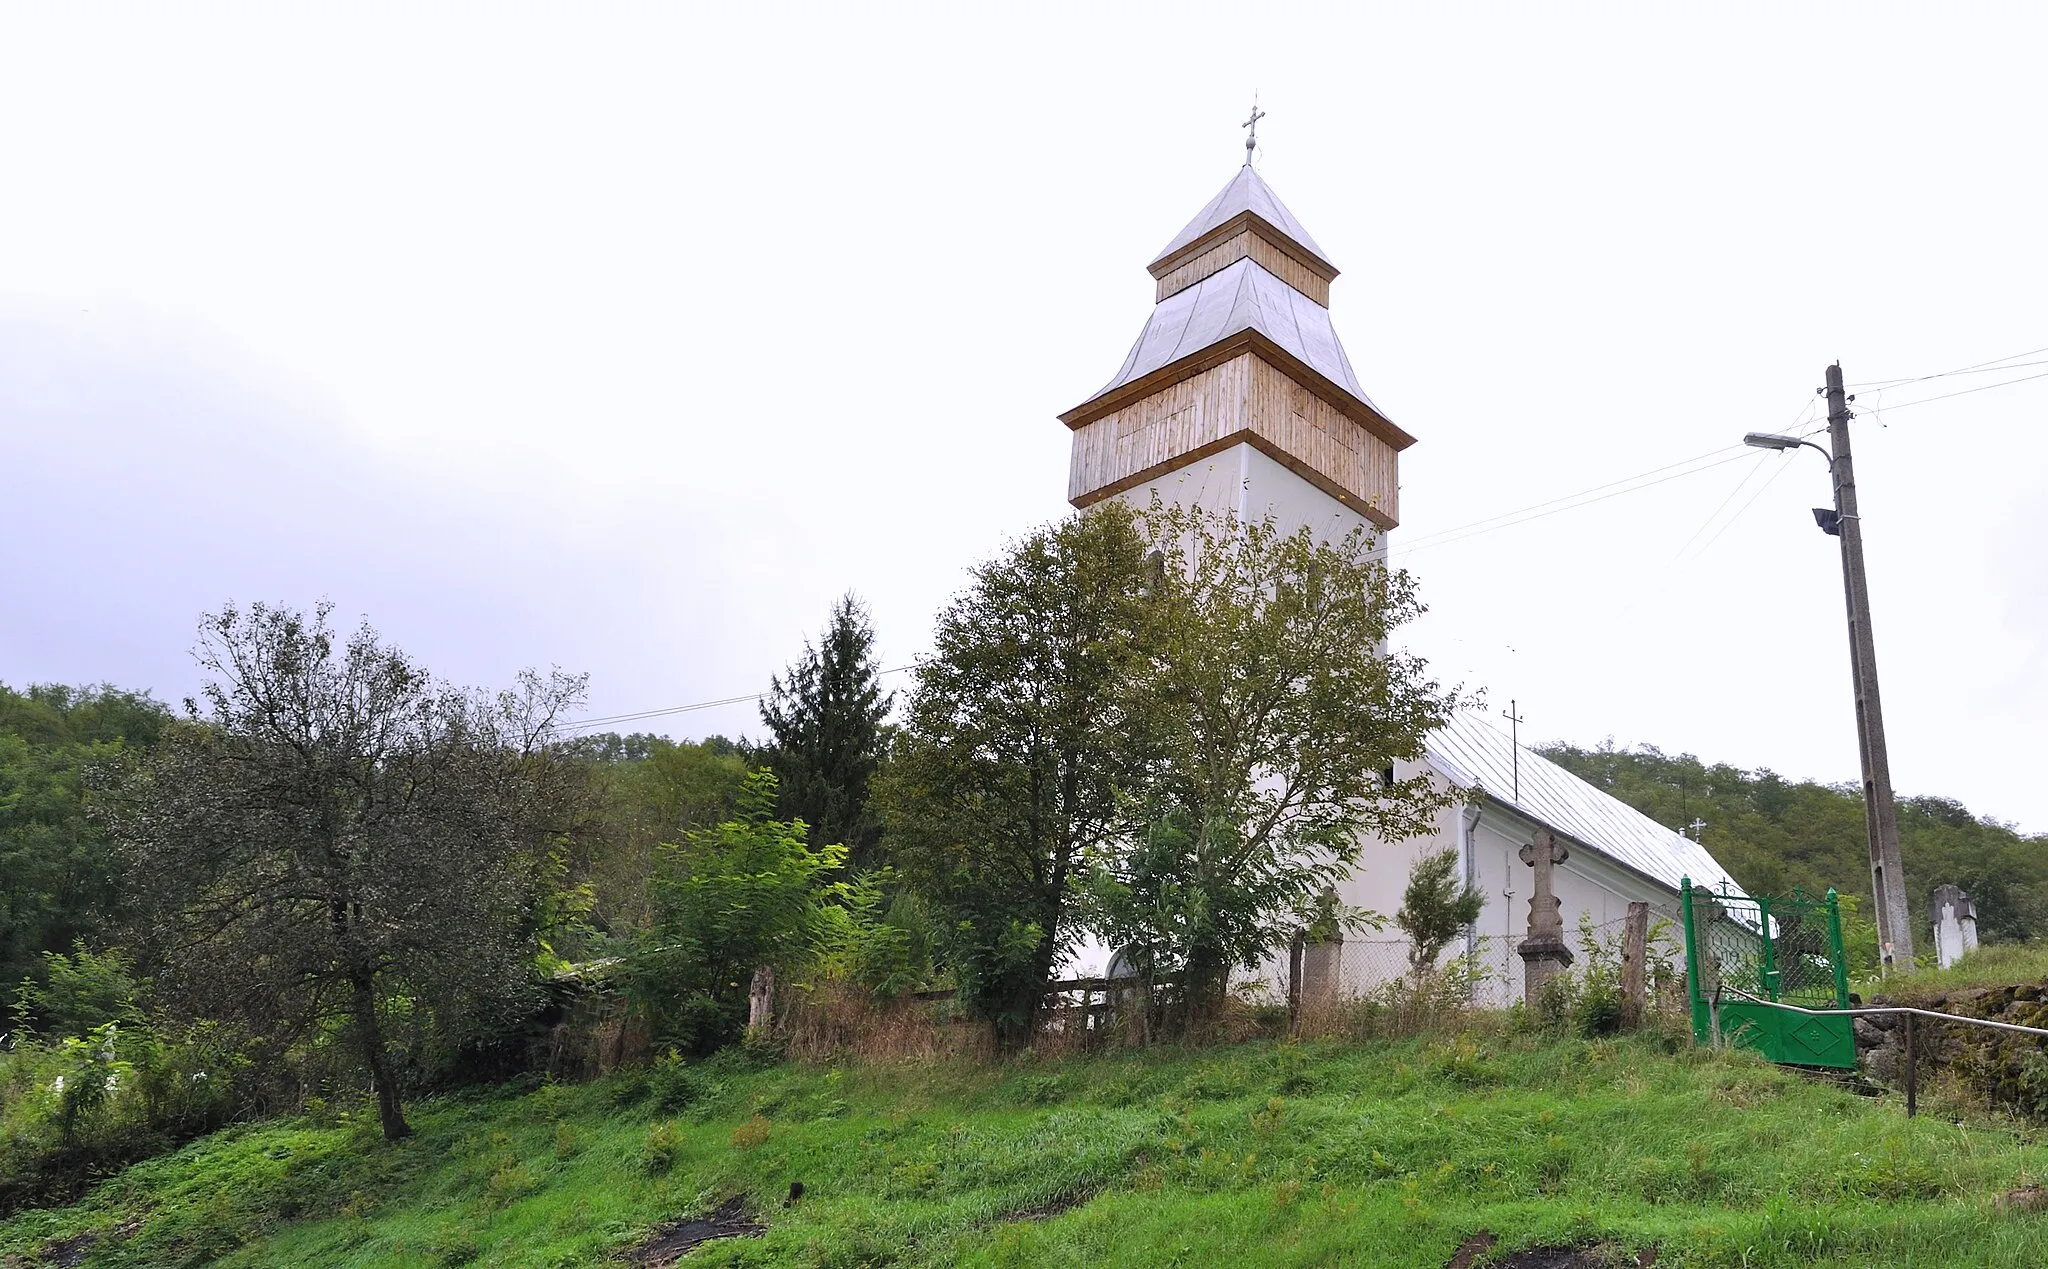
(1787, 949)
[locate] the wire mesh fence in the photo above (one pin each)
(1379, 986)
(1487, 966)
(1354, 988)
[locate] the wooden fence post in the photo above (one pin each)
(1635, 937)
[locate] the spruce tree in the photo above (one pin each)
(827, 715)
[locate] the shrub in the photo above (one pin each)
(1436, 908)
(749, 892)
(1597, 1011)
(658, 1153)
(79, 992)
(1437, 1002)
(77, 1107)
(881, 944)
(674, 1084)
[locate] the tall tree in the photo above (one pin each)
(827, 714)
(337, 830)
(1278, 708)
(1015, 749)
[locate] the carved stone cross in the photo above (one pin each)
(1544, 952)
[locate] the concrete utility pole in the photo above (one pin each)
(1880, 816)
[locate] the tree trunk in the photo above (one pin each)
(761, 1002)
(370, 1038)
(1205, 981)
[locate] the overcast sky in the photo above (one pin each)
(626, 339)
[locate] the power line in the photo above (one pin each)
(1982, 367)
(1744, 507)
(1572, 502)
(1428, 537)
(1886, 385)
(1740, 485)
(1881, 408)
(613, 719)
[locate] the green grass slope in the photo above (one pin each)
(1254, 1155)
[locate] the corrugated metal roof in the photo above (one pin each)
(1245, 193)
(1471, 752)
(1241, 297)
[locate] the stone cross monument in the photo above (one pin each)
(1544, 953)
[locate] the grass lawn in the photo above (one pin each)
(1994, 965)
(1259, 1154)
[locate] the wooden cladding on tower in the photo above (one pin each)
(1245, 400)
(1245, 243)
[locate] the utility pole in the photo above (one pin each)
(1880, 816)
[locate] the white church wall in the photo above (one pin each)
(1588, 885)
(1245, 480)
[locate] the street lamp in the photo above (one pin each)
(1770, 440)
(1880, 816)
(1828, 518)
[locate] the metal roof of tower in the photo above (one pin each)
(1245, 193)
(1241, 297)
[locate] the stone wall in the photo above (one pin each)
(2006, 1069)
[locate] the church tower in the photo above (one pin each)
(1238, 395)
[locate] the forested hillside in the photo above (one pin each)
(1774, 833)
(58, 882)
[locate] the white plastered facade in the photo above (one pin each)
(1250, 484)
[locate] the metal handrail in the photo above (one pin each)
(1874, 1009)
(1912, 1053)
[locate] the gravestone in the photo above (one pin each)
(1955, 925)
(1543, 953)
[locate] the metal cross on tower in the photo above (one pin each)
(1252, 137)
